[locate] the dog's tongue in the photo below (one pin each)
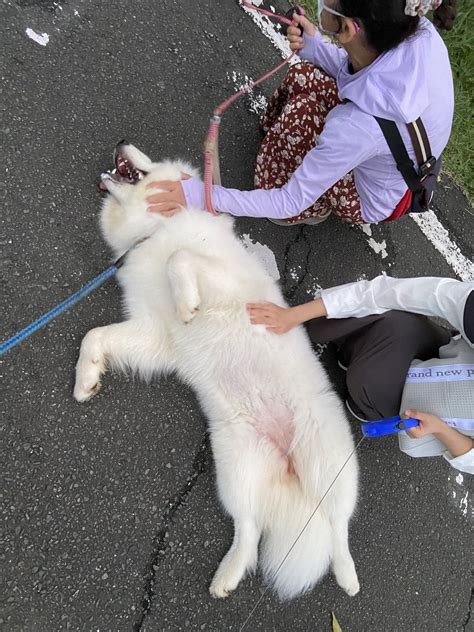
(102, 186)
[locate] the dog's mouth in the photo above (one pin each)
(123, 172)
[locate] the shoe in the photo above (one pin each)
(311, 221)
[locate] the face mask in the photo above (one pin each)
(322, 7)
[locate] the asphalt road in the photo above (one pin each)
(109, 513)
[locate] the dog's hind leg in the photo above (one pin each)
(242, 481)
(240, 558)
(129, 344)
(182, 273)
(342, 563)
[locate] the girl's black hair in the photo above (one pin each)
(385, 23)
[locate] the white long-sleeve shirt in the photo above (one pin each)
(430, 296)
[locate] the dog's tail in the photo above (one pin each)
(297, 543)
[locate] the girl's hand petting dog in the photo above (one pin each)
(171, 198)
(277, 319)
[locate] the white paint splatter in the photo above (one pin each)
(314, 289)
(432, 228)
(294, 273)
(268, 29)
(463, 504)
(258, 102)
(377, 246)
(39, 38)
(462, 500)
(264, 254)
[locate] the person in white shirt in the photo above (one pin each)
(395, 357)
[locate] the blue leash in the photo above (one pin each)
(62, 307)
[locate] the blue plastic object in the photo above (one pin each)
(387, 426)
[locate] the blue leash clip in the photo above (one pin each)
(387, 426)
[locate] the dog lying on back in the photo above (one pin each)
(279, 434)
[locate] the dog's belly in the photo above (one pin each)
(258, 423)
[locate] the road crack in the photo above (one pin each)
(469, 612)
(288, 273)
(159, 541)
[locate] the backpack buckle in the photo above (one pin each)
(427, 167)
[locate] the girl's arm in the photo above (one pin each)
(343, 144)
(460, 451)
(456, 443)
(431, 296)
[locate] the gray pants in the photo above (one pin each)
(377, 351)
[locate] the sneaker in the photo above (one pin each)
(311, 221)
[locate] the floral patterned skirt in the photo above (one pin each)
(292, 123)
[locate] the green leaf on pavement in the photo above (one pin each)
(335, 624)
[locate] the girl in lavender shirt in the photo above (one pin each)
(323, 151)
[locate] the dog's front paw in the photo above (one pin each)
(186, 313)
(89, 368)
(84, 390)
(220, 587)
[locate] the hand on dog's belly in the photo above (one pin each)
(171, 198)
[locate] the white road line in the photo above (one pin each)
(437, 234)
(428, 223)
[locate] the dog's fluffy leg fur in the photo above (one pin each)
(184, 284)
(342, 563)
(123, 345)
(240, 558)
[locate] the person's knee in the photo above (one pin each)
(371, 398)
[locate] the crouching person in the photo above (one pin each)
(396, 359)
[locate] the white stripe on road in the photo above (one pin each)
(428, 223)
(437, 234)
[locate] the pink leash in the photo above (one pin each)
(211, 151)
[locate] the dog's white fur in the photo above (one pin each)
(279, 433)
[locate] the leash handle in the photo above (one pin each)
(212, 138)
(62, 307)
(289, 16)
(390, 425)
(286, 20)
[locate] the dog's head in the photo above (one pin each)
(125, 219)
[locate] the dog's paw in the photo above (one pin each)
(84, 391)
(220, 587)
(186, 313)
(89, 368)
(349, 582)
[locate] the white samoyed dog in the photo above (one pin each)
(279, 433)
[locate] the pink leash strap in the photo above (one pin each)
(211, 151)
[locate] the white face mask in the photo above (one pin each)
(323, 7)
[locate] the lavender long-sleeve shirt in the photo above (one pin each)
(409, 81)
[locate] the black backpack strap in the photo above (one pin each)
(397, 147)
